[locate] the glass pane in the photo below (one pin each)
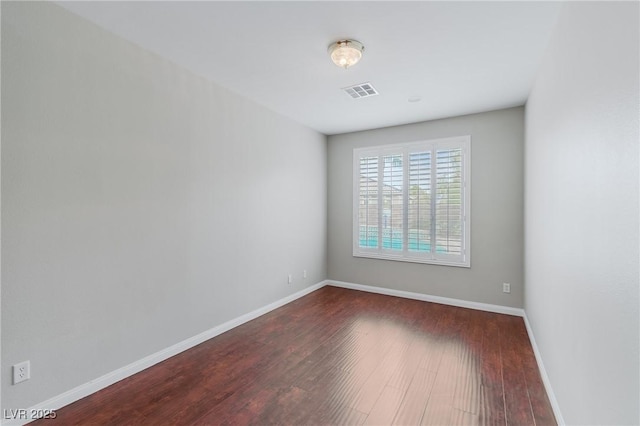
(392, 202)
(419, 209)
(449, 212)
(368, 203)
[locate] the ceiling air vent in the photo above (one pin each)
(362, 90)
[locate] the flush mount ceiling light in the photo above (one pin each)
(345, 53)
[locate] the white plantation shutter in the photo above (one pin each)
(419, 206)
(368, 202)
(392, 202)
(449, 212)
(411, 202)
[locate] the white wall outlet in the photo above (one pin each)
(304, 274)
(21, 372)
(506, 288)
(290, 281)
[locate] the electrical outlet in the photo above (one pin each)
(290, 281)
(304, 274)
(21, 372)
(506, 288)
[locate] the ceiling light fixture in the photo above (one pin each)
(345, 53)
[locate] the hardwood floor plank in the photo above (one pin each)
(464, 418)
(333, 412)
(467, 393)
(386, 406)
(517, 404)
(540, 404)
(439, 410)
(492, 411)
(406, 363)
(491, 360)
(375, 384)
(415, 399)
(338, 356)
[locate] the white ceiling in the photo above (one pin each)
(459, 57)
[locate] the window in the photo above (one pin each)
(411, 202)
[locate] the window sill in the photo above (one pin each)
(402, 258)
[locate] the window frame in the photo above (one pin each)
(406, 148)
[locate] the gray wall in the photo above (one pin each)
(142, 204)
(497, 140)
(582, 213)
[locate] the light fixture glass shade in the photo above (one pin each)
(345, 53)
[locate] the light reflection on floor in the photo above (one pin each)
(383, 360)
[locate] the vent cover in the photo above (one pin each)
(362, 90)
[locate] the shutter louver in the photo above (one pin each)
(419, 214)
(392, 202)
(368, 202)
(449, 209)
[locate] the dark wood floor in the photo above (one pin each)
(339, 356)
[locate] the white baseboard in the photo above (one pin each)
(108, 379)
(428, 298)
(543, 373)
